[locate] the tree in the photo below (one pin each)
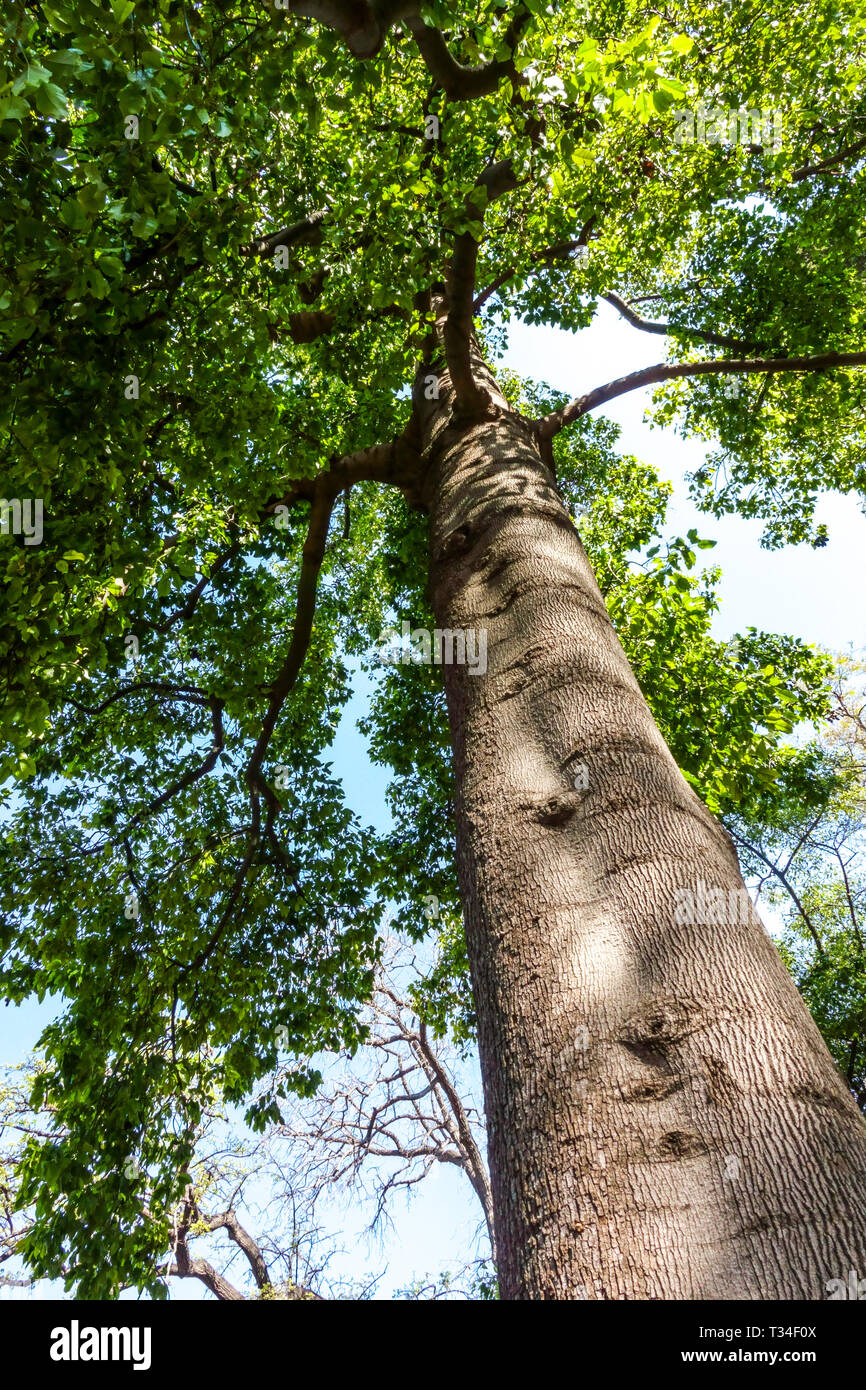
(388, 1126)
(260, 263)
(249, 1224)
(804, 845)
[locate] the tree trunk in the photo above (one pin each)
(665, 1121)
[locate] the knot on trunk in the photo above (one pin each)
(552, 810)
(680, 1144)
(660, 1025)
(457, 543)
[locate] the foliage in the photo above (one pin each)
(804, 844)
(180, 872)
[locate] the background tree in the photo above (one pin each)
(386, 1125)
(250, 1223)
(257, 260)
(804, 846)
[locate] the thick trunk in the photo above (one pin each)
(664, 1118)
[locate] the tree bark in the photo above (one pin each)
(665, 1121)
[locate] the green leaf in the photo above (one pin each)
(50, 100)
(13, 108)
(33, 76)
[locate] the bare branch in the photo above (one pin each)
(664, 329)
(227, 1221)
(476, 1168)
(398, 1104)
(550, 425)
(787, 885)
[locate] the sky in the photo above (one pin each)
(812, 594)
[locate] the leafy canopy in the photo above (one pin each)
(223, 228)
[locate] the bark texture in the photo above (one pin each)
(665, 1121)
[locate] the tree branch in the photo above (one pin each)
(461, 83)
(306, 325)
(185, 1267)
(180, 184)
(190, 694)
(474, 1163)
(496, 180)
(664, 329)
(550, 253)
(227, 1221)
(549, 425)
(306, 232)
(324, 495)
(194, 775)
(188, 607)
(781, 875)
(362, 27)
(808, 170)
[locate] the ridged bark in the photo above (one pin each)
(665, 1121)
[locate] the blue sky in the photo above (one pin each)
(812, 594)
